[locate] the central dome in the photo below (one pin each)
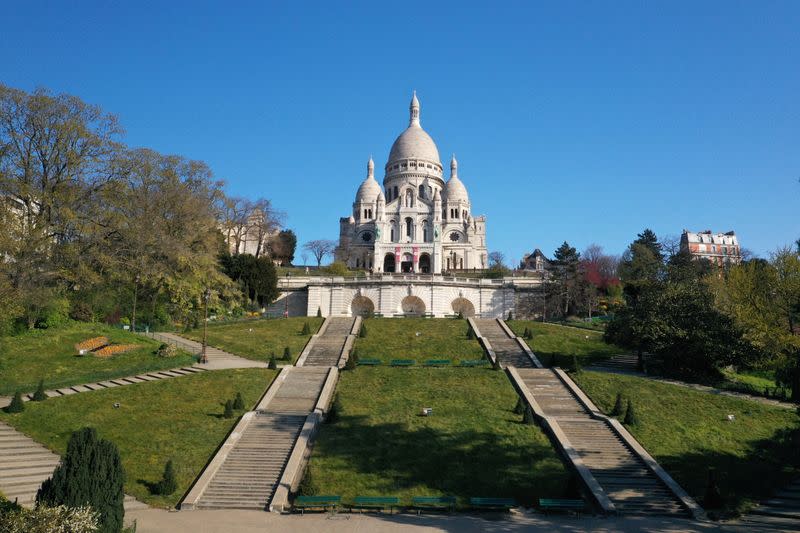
(414, 142)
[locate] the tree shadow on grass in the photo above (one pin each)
(151, 486)
(772, 464)
(458, 462)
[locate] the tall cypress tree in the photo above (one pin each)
(90, 473)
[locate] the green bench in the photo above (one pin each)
(402, 362)
(433, 503)
(493, 503)
(369, 362)
(375, 502)
(316, 502)
(437, 362)
(560, 504)
(475, 362)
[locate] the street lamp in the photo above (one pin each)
(206, 296)
(286, 298)
(135, 291)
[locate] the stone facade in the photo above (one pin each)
(416, 222)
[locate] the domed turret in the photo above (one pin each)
(454, 190)
(369, 188)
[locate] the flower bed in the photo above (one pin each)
(113, 349)
(91, 344)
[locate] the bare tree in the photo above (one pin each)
(263, 222)
(319, 249)
(497, 259)
(671, 244)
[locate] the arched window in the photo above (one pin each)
(394, 193)
(425, 232)
(410, 228)
(394, 231)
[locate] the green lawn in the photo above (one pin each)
(178, 419)
(50, 354)
(472, 445)
(417, 338)
(555, 344)
(687, 432)
(257, 339)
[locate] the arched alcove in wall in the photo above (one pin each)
(362, 306)
(463, 306)
(413, 305)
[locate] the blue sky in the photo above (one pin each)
(579, 121)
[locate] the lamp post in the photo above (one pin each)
(135, 291)
(286, 298)
(206, 296)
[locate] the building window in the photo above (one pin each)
(409, 228)
(422, 191)
(394, 194)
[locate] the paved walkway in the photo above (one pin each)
(111, 383)
(160, 521)
(616, 471)
(326, 349)
(779, 513)
(25, 464)
(217, 359)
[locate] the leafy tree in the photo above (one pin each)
(46, 519)
(89, 474)
(283, 246)
(256, 276)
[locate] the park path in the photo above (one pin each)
(25, 464)
(779, 513)
(217, 359)
(509, 349)
(620, 474)
(327, 347)
(263, 454)
(155, 375)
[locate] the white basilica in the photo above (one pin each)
(417, 222)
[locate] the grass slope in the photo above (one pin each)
(50, 354)
(560, 343)
(178, 419)
(688, 432)
(396, 338)
(472, 445)
(257, 339)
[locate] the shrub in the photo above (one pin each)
(16, 405)
(630, 416)
(90, 473)
(272, 364)
(520, 407)
(287, 354)
(470, 333)
(337, 268)
(527, 417)
(576, 366)
(307, 486)
(362, 332)
(306, 329)
(167, 350)
(39, 395)
(319, 312)
(712, 498)
(47, 519)
(167, 484)
(333, 413)
(238, 402)
(352, 360)
(228, 409)
(510, 316)
(617, 410)
(82, 312)
(496, 364)
(56, 313)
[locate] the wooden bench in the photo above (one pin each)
(493, 503)
(402, 362)
(369, 362)
(551, 504)
(437, 362)
(316, 502)
(475, 362)
(433, 503)
(375, 502)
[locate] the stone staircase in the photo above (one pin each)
(254, 465)
(506, 347)
(327, 347)
(625, 363)
(25, 464)
(622, 472)
(217, 359)
(780, 513)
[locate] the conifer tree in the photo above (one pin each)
(630, 416)
(228, 409)
(520, 407)
(527, 418)
(90, 473)
(39, 395)
(617, 410)
(363, 331)
(306, 329)
(167, 484)
(272, 364)
(287, 354)
(319, 312)
(238, 402)
(470, 333)
(16, 405)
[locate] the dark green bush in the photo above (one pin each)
(90, 473)
(362, 332)
(520, 407)
(527, 417)
(39, 395)
(16, 405)
(319, 312)
(630, 416)
(167, 484)
(306, 329)
(228, 409)
(617, 410)
(272, 364)
(470, 333)
(238, 402)
(287, 354)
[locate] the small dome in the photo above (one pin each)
(368, 190)
(454, 190)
